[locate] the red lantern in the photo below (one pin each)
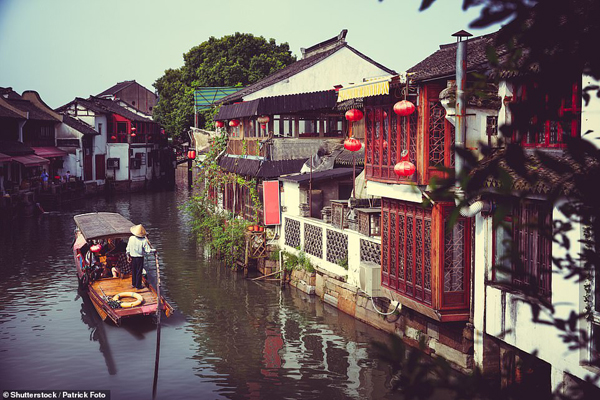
(404, 108)
(234, 122)
(404, 168)
(191, 154)
(352, 144)
(95, 248)
(263, 121)
(354, 115)
(219, 124)
(113, 137)
(385, 144)
(133, 134)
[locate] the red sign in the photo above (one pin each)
(271, 204)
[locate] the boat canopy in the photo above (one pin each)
(102, 225)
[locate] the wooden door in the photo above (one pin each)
(100, 166)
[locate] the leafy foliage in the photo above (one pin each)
(548, 46)
(297, 262)
(234, 60)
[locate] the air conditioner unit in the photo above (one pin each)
(370, 278)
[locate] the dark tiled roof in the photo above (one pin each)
(238, 110)
(116, 88)
(114, 107)
(14, 148)
(543, 180)
(240, 166)
(34, 112)
(275, 169)
(264, 169)
(279, 105)
(442, 63)
(79, 125)
(294, 69)
(346, 157)
(104, 106)
(8, 113)
(335, 173)
(9, 93)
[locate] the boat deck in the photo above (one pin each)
(113, 286)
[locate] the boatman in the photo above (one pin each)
(136, 247)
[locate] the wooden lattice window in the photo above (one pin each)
(559, 123)
(409, 258)
(441, 137)
(524, 243)
(386, 136)
(426, 260)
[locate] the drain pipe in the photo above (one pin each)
(461, 123)
(461, 106)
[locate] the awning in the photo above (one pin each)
(336, 173)
(238, 110)
(31, 160)
(5, 158)
(373, 87)
(49, 152)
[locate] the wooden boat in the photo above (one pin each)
(110, 295)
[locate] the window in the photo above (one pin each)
(100, 128)
(386, 136)
(121, 127)
(45, 132)
(424, 258)
(561, 119)
(441, 137)
(523, 248)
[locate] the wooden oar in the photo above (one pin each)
(158, 313)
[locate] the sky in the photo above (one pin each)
(75, 48)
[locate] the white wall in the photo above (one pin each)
(341, 68)
(508, 317)
(120, 151)
(590, 118)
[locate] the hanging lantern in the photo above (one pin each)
(191, 154)
(352, 144)
(404, 108)
(354, 115)
(404, 168)
(95, 248)
(113, 137)
(263, 121)
(385, 144)
(234, 122)
(219, 124)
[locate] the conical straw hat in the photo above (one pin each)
(138, 230)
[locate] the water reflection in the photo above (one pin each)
(90, 317)
(229, 338)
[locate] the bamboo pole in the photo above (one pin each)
(266, 276)
(158, 314)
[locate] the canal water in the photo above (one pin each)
(230, 338)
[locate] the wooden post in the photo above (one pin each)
(246, 258)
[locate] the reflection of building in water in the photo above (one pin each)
(260, 343)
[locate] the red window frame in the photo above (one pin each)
(425, 259)
(386, 136)
(552, 133)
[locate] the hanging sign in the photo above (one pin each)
(271, 203)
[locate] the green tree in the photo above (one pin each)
(234, 60)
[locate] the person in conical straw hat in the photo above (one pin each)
(137, 246)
